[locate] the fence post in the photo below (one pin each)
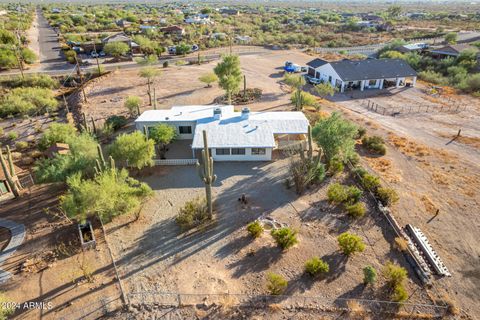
(179, 301)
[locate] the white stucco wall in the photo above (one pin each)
(176, 124)
(326, 71)
(245, 157)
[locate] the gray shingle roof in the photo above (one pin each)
(315, 63)
(372, 69)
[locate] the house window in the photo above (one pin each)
(238, 150)
(258, 151)
(330, 79)
(185, 129)
(222, 151)
(372, 82)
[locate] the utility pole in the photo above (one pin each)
(18, 54)
(96, 56)
(79, 72)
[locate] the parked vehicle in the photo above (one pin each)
(172, 49)
(195, 48)
(102, 54)
(292, 67)
(77, 49)
(312, 80)
(94, 54)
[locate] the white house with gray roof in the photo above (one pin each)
(232, 135)
(363, 74)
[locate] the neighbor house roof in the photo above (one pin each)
(118, 37)
(368, 69)
(453, 49)
(173, 28)
(231, 130)
(315, 63)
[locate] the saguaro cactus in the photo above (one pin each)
(205, 171)
(310, 144)
(10, 180)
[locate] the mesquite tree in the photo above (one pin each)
(229, 75)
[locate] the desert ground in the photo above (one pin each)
(428, 169)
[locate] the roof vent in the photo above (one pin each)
(245, 113)
(217, 113)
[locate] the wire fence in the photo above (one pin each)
(408, 109)
(95, 310)
(176, 300)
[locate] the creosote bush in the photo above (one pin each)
(374, 144)
(338, 193)
(276, 284)
(21, 145)
(255, 229)
(285, 237)
(387, 196)
(315, 266)
(193, 214)
(356, 210)
(350, 243)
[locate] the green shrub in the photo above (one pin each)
(21, 145)
(433, 77)
(399, 293)
(369, 275)
(57, 133)
(336, 193)
(1, 131)
(387, 196)
(276, 284)
(12, 135)
(316, 266)
(285, 237)
(394, 274)
(27, 101)
(132, 103)
(116, 122)
(361, 132)
(70, 55)
(350, 243)
(165, 64)
(193, 214)
(356, 210)
(7, 309)
(370, 182)
(335, 166)
(255, 229)
(374, 144)
(35, 80)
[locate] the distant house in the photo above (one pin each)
(218, 36)
(145, 28)
(372, 18)
(413, 47)
(363, 74)
(56, 10)
(232, 136)
(122, 37)
(173, 30)
(243, 39)
(163, 21)
(199, 19)
(452, 50)
(122, 23)
(229, 12)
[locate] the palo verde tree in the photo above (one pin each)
(149, 73)
(205, 171)
(134, 148)
(336, 137)
(324, 89)
(229, 75)
(162, 134)
(296, 82)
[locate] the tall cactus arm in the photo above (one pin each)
(10, 162)
(11, 183)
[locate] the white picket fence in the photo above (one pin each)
(175, 162)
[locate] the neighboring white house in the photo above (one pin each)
(363, 74)
(199, 19)
(232, 136)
